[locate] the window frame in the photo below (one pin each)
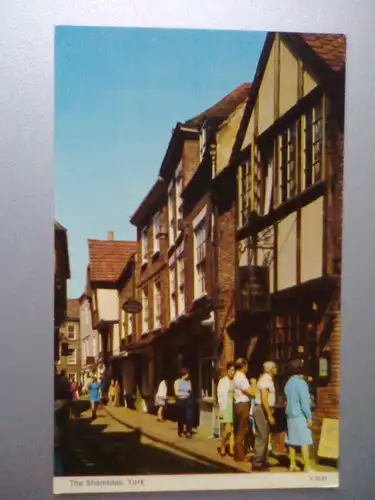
(74, 351)
(71, 325)
(172, 230)
(180, 284)
(157, 305)
(172, 291)
(156, 232)
(144, 245)
(145, 311)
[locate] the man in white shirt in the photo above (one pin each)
(243, 392)
(263, 415)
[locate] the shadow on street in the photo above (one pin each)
(95, 449)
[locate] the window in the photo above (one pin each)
(145, 311)
(144, 245)
(245, 183)
(200, 242)
(123, 323)
(172, 292)
(71, 332)
(179, 189)
(313, 145)
(171, 217)
(200, 256)
(181, 285)
(258, 186)
(288, 163)
(94, 347)
(157, 306)
(130, 325)
(72, 358)
(156, 233)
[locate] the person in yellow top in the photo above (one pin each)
(112, 393)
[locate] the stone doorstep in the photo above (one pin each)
(190, 447)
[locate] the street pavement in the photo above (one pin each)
(124, 442)
(107, 447)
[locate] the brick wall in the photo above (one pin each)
(156, 270)
(329, 397)
(226, 225)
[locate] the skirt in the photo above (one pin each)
(298, 434)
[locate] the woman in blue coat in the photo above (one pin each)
(299, 416)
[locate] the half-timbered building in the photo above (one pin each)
(288, 156)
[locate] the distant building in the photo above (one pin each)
(62, 274)
(89, 340)
(107, 259)
(70, 331)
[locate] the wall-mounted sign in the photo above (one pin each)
(132, 306)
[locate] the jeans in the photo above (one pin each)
(184, 416)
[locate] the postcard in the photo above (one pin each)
(198, 234)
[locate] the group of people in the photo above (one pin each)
(96, 394)
(247, 407)
(247, 412)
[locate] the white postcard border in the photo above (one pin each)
(194, 482)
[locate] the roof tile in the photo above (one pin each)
(224, 107)
(330, 48)
(107, 258)
(72, 310)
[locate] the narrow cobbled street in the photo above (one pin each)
(106, 447)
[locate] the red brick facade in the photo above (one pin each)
(226, 226)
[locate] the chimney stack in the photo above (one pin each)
(111, 236)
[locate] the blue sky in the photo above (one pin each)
(118, 94)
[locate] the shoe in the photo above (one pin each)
(260, 468)
(189, 436)
(221, 452)
(294, 469)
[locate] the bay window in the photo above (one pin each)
(145, 310)
(157, 305)
(200, 243)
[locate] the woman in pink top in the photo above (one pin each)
(74, 391)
